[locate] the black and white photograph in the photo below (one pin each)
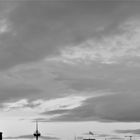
(69, 69)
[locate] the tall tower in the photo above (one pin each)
(37, 133)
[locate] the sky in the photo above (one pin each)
(72, 65)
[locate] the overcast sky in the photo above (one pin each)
(73, 65)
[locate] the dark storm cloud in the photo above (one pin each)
(114, 78)
(16, 93)
(39, 29)
(42, 28)
(119, 85)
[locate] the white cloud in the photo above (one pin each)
(4, 26)
(109, 49)
(31, 109)
(15, 105)
(61, 103)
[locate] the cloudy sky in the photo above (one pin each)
(73, 65)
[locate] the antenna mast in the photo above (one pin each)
(37, 133)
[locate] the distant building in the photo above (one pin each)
(89, 136)
(0, 135)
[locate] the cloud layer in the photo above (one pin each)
(89, 51)
(129, 131)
